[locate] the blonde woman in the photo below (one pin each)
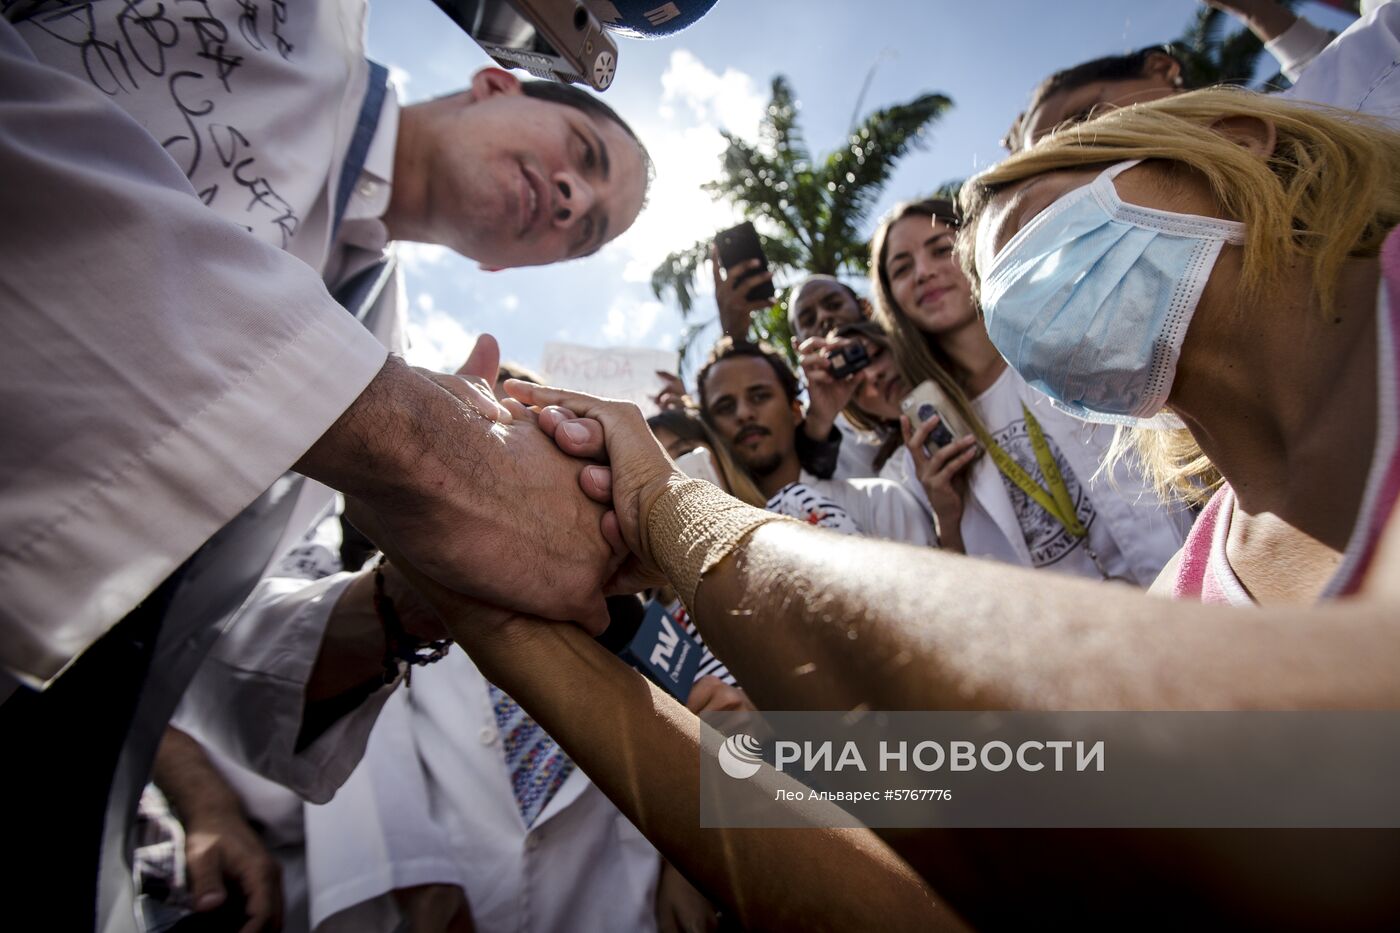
(1037, 497)
(1211, 261)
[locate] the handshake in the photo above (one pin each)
(535, 503)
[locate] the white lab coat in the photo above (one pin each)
(156, 340)
(432, 803)
(1360, 69)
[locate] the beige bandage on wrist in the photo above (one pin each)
(693, 526)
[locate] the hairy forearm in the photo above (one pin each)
(189, 781)
(370, 436)
(387, 446)
(808, 620)
(642, 749)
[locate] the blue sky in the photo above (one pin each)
(678, 92)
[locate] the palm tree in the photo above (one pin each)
(1211, 53)
(810, 213)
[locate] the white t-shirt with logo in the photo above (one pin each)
(1132, 534)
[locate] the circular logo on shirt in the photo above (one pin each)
(1046, 539)
(740, 756)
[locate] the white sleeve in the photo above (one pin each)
(160, 367)
(249, 698)
(898, 516)
(1360, 69)
(1297, 46)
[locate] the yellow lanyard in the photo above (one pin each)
(1056, 500)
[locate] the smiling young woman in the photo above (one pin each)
(1036, 498)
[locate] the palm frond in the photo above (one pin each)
(1216, 49)
(686, 346)
(809, 213)
(771, 326)
(949, 189)
(676, 274)
(757, 184)
(779, 130)
(857, 173)
(1238, 56)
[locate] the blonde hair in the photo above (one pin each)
(1329, 191)
(919, 355)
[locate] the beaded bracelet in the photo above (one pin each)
(398, 644)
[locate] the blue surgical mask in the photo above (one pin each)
(1091, 300)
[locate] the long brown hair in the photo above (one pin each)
(920, 356)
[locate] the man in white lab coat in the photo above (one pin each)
(170, 366)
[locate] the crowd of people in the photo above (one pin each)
(300, 637)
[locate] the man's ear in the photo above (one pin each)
(489, 82)
(867, 310)
(1256, 134)
(1163, 67)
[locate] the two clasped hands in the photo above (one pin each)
(557, 486)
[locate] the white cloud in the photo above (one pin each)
(686, 146)
(729, 100)
(399, 78)
(628, 324)
(436, 339)
(425, 301)
(417, 257)
(510, 303)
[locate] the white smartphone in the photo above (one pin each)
(700, 464)
(927, 400)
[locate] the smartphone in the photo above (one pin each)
(738, 244)
(848, 360)
(560, 40)
(928, 400)
(700, 464)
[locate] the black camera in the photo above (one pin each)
(848, 360)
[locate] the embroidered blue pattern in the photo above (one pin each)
(538, 767)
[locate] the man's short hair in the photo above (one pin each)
(727, 349)
(797, 290)
(570, 96)
(1107, 68)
